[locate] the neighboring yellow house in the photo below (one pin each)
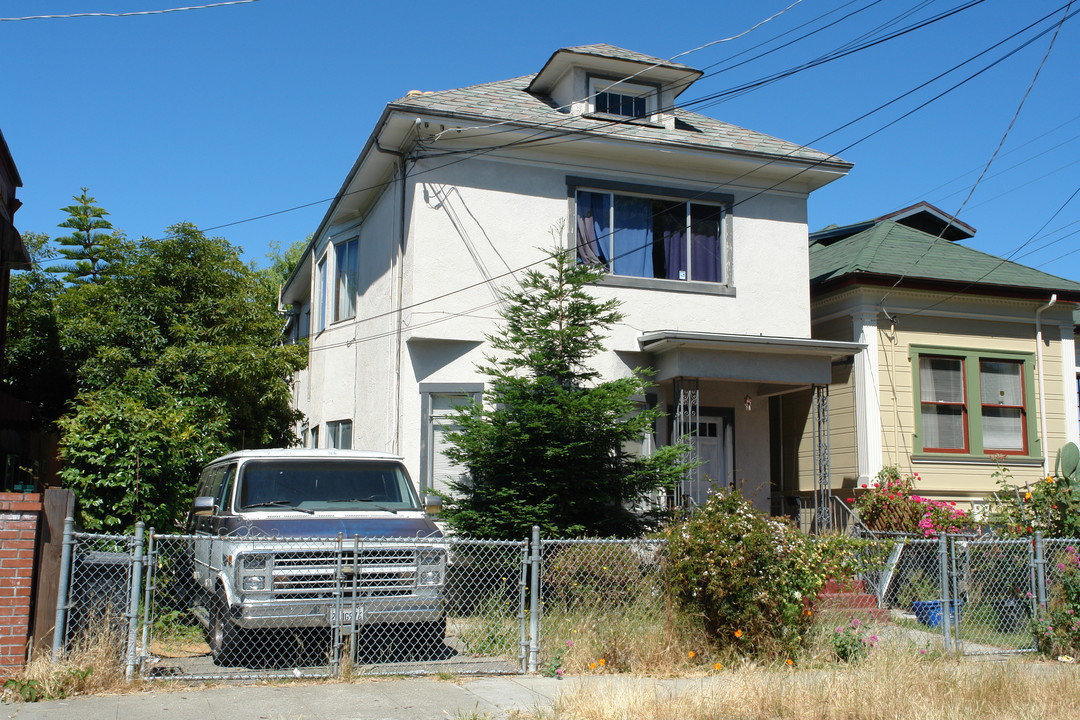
(970, 361)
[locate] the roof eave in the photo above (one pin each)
(854, 279)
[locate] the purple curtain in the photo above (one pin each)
(705, 248)
(593, 219)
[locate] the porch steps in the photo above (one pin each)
(848, 598)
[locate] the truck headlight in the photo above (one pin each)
(253, 583)
(429, 577)
(429, 557)
(255, 562)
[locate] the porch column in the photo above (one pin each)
(822, 478)
(867, 395)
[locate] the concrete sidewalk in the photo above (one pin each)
(368, 699)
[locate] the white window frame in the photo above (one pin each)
(346, 273)
(613, 86)
(321, 277)
(430, 418)
(338, 431)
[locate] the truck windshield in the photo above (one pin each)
(339, 484)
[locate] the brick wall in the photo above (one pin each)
(20, 517)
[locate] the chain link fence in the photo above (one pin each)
(240, 607)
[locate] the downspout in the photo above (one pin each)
(397, 292)
(1042, 388)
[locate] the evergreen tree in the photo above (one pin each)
(91, 247)
(548, 445)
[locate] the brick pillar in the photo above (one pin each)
(20, 516)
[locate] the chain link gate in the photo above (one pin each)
(321, 608)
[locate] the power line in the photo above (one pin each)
(1012, 123)
(128, 14)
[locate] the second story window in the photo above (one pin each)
(346, 269)
(652, 237)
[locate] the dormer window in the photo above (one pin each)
(624, 99)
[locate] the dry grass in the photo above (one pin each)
(93, 665)
(893, 685)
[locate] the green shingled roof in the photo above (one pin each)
(891, 249)
(509, 100)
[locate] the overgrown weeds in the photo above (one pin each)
(94, 664)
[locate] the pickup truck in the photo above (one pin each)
(299, 539)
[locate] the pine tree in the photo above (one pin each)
(548, 445)
(88, 251)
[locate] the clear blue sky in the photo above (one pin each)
(218, 115)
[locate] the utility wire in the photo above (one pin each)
(1004, 136)
(128, 14)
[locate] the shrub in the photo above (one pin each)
(851, 643)
(891, 505)
(1050, 505)
(751, 578)
(1058, 627)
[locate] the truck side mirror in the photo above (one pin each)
(432, 504)
(203, 505)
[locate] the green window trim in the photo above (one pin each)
(973, 401)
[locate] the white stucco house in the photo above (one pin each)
(701, 225)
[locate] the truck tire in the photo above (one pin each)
(228, 643)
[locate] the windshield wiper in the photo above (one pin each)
(280, 504)
(370, 501)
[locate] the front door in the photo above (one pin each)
(716, 451)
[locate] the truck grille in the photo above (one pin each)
(367, 574)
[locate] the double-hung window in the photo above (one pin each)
(972, 402)
(346, 270)
(654, 236)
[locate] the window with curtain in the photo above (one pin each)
(974, 402)
(1002, 397)
(346, 268)
(320, 288)
(944, 415)
(650, 237)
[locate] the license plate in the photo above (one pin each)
(347, 616)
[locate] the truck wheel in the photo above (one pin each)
(227, 641)
(430, 637)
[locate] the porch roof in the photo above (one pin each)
(750, 358)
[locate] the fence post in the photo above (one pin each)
(1040, 570)
(151, 566)
(133, 608)
(534, 600)
(945, 604)
(523, 584)
(60, 629)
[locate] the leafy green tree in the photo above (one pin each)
(548, 445)
(35, 369)
(283, 262)
(179, 358)
(92, 246)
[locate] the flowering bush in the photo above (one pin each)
(1058, 626)
(1050, 505)
(751, 578)
(890, 505)
(851, 643)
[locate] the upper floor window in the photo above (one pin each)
(974, 403)
(652, 237)
(320, 288)
(346, 270)
(620, 98)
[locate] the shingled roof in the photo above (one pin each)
(889, 249)
(510, 101)
(618, 53)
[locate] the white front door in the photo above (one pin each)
(715, 444)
